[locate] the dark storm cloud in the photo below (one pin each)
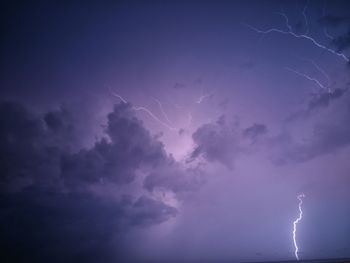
(318, 102)
(342, 42)
(324, 99)
(149, 211)
(45, 186)
(217, 142)
(223, 141)
(327, 135)
(131, 147)
(174, 178)
(24, 155)
(36, 148)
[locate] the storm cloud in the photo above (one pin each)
(46, 185)
(217, 142)
(165, 131)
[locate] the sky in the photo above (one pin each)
(174, 131)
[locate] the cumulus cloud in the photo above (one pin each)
(217, 142)
(45, 185)
(130, 148)
(223, 141)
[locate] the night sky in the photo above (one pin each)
(174, 131)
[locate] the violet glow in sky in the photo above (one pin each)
(174, 131)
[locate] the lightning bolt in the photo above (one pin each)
(309, 78)
(202, 97)
(295, 222)
(162, 111)
(305, 18)
(117, 95)
(144, 109)
(325, 31)
(322, 71)
(300, 36)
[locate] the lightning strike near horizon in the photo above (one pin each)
(295, 222)
(144, 109)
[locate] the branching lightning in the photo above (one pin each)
(305, 18)
(286, 19)
(301, 36)
(306, 36)
(154, 117)
(202, 98)
(322, 71)
(295, 222)
(117, 95)
(325, 31)
(309, 78)
(162, 111)
(144, 109)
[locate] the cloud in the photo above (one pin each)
(173, 177)
(323, 134)
(325, 139)
(255, 131)
(130, 148)
(342, 42)
(324, 99)
(317, 102)
(217, 142)
(24, 157)
(46, 187)
(150, 211)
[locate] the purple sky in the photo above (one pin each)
(174, 131)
